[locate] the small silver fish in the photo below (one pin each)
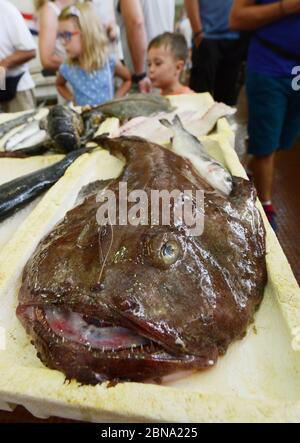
(188, 146)
(35, 139)
(21, 135)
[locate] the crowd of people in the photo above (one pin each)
(89, 43)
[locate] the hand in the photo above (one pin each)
(145, 85)
(198, 40)
(111, 31)
(3, 64)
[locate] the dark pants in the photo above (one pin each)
(216, 68)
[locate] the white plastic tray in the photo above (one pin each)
(258, 380)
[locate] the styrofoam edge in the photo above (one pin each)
(121, 402)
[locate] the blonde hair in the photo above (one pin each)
(93, 38)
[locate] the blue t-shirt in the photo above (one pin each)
(215, 19)
(283, 33)
(90, 88)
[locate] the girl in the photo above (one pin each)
(52, 53)
(89, 69)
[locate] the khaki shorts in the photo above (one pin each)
(23, 101)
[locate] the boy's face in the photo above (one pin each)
(163, 68)
(70, 37)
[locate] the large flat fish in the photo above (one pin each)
(134, 105)
(137, 301)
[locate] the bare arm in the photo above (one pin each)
(17, 58)
(136, 34)
(246, 15)
(122, 72)
(48, 26)
(193, 12)
(62, 88)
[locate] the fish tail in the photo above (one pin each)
(177, 123)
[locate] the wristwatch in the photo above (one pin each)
(136, 78)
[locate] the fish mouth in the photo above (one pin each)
(82, 329)
(90, 331)
(92, 351)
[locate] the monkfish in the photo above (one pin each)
(120, 301)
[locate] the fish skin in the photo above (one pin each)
(191, 310)
(37, 138)
(188, 146)
(6, 127)
(134, 105)
(37, 149)
(17, 193)
(195, 122)
(26, 132)
(65, 127)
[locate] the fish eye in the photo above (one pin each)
(170, 252)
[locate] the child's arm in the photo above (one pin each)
(122, 72)
(62, 88)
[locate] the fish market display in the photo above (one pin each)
(66, 129)
(188, 146)
(195, 122)
(15, 194)
(133, 302)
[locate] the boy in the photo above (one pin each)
(167, 54)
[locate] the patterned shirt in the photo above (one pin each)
(90, 88)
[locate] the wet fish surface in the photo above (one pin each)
(197, 123)
(134, 105)
(137, 302)
(6, 127)
(17, 193)
(188, 146)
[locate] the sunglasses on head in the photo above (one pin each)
(70, 11)
(67, 35)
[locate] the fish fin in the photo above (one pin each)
(165, 123)
(177, 123)
(91, 189)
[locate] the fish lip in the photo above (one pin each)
(136, 340)
(141, 333)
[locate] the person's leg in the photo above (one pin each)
(205, 60)
(262, 168)
(229, 71)
(268, 102)
(291, 128)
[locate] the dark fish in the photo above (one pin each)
(134, 105)
(65, 128)
(137, 302)
(15, 122)
(16, 193)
